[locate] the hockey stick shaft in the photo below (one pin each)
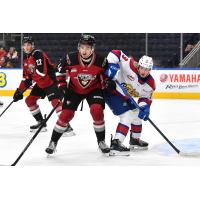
(35, 135)
(7, 108)
(151, 122)
(11, 104)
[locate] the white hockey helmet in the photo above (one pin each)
(146, 62)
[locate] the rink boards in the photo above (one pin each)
(170, 83)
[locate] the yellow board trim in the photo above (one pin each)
(173, 95)
(156, 95)
(11, 92)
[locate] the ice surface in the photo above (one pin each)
(178, 119)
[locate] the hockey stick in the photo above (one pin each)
(35, 135)
(152, 123)
(11, 103)
(7, 108)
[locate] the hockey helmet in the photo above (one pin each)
(87, 39)
(146, 62)
(28, 39)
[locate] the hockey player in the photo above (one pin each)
(37, 68)
(139, 83)
(1, 103)
(85, 69)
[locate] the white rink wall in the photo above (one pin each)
(170, 83)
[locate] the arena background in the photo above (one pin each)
(176, 76)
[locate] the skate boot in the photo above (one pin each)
(51, 148)
(103, 147)
(35, 127)
(69, 132)
(1, 103)
(118, 149)
(138, 144)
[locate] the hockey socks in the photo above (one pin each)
(100, 136)
(99, 128)
(55, 136)
(136, 131)
(121, 132)
(38, 117)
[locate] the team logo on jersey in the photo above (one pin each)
(85, 79)
(131, 91)
(31, 68)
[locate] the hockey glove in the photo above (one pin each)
(111, 70)
(110, 85)
(62, 91)
(18, 95)
(144, 112)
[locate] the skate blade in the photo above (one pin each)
(35, 130)
(137, 148)
(50, 155)
(104, 154)
(118, 153)
(68, 134)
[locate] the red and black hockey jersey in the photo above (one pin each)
(38, 68)
(83, 78)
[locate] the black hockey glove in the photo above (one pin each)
(109, 85)
(62, 91)
(18, 95)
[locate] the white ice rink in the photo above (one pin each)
(178, 119)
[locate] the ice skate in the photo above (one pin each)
(69, 132)
(138, 144)
(51, 148)
(104, 148)
(118, 149)
(35, 127)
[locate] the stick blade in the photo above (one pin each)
(190, 154)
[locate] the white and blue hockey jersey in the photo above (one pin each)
(122, 69)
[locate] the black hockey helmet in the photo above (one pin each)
(28, 39)
(87, 39)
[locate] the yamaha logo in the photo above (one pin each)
(163, 78)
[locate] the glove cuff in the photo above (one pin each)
(142, 104)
